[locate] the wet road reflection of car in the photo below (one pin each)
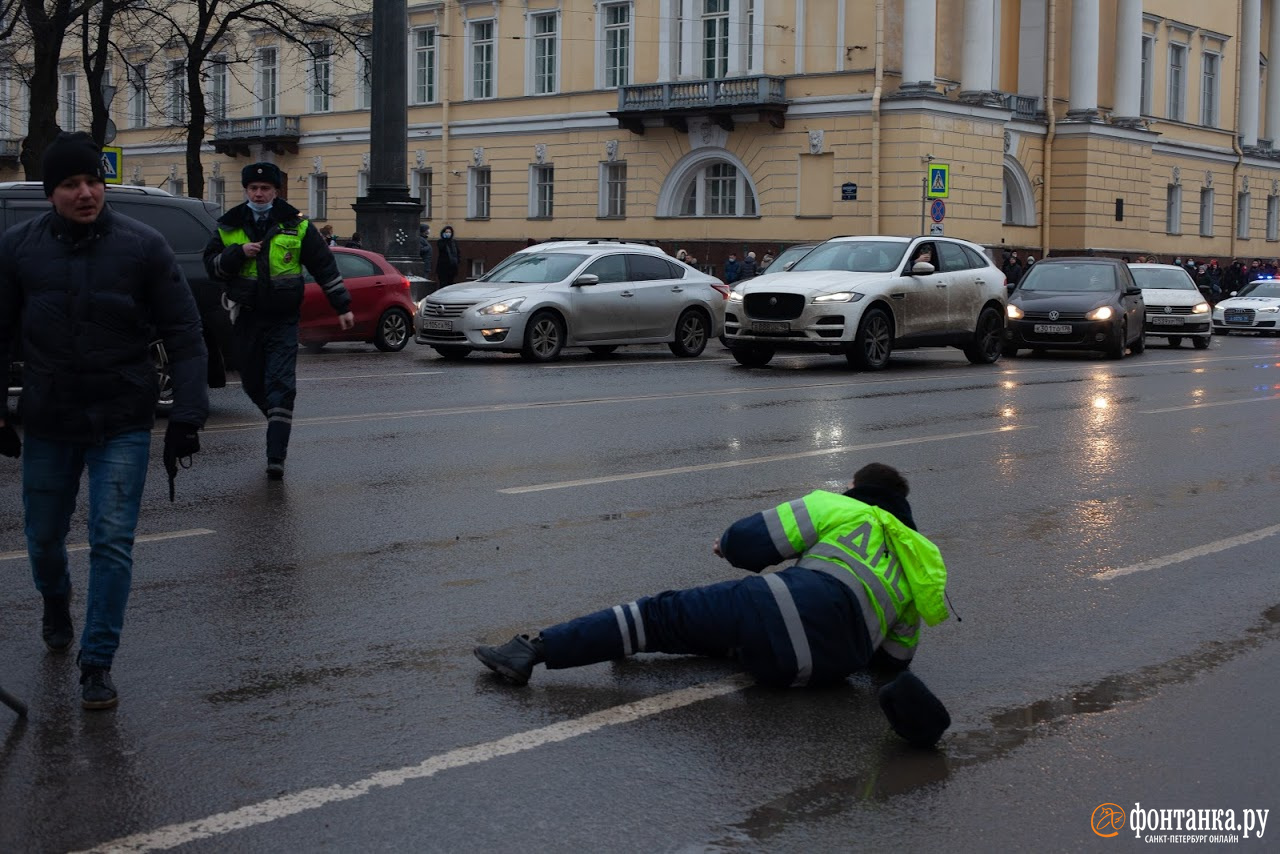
(1076, 304)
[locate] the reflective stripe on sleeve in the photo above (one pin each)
(804, 522)
(781, 542)
(332, 285)
(623, 630)
(635, 618)
(900, 651)
(795, 628)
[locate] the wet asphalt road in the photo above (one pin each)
(296, 671)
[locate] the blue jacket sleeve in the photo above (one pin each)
(748, 545)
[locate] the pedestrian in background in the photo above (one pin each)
(749, 266)
(732, 269)
(766, 261)
(87, 290)
(327, 234)
(424, 248)
(354, 241)
(258, 253)
(447, 258)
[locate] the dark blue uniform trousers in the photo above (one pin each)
(266, 351)
(740, 617)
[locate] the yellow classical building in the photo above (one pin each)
(1122, 126)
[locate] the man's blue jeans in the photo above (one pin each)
(50, 482)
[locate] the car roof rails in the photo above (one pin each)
(114, 188)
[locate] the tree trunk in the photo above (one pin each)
(195, 129)
(46, 38)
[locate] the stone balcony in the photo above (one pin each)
(277, 134)
(673, 104)
(10, 152)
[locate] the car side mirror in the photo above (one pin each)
(1233, 293)
(788, 266)
(923, 268)
(1133, 292)
(587, 279)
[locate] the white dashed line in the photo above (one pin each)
(1190, 554)
(145, 538)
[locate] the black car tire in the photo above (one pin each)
(451, 353)
(1141, 344)
(692, 332)
(393, 330)
(543, 338)
(1203, 342)
(1009, 351)
(873, 345)
(752, 356)
(603, 349)
(986, 347)
(314, 346)
(1175, 340)
(1118, 348)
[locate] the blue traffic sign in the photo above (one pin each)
(938, 210)
(112, 164)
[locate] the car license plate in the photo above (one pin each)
(444, 325)
(770, 326)
(1161, 320)
(1052, 329)
(1236, 317)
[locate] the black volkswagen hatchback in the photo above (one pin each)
(1076, 304)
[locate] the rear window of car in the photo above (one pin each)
(1170, 280)
(1082, 277)
(854, 256)
(184, 232)
(535, 268)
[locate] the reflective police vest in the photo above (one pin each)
(896, 574)
(281, 289)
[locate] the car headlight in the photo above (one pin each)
(422, 305)
(735, 296)
(842, 296)
(1103, 312)
(1270, 309)
(1013, 312)
(1200, 308)
(505, 307)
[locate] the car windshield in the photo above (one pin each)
(1169, 280)
(1262, 288)
(853, 256)
(534, 268)
(1083, 278)
(788, 256)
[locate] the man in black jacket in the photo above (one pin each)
(258, 254)
(87, 290)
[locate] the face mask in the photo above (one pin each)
(448, 235)
(259, 208)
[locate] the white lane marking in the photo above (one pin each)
(709, 360)
(267, 811)
(1190, 554)
(1205, 405)
(799, 455)
(145, 538)
(359, 376)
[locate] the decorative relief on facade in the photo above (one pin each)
(364, 161)
(540, 153)
(1008, 141)
(477, 156)
(217, 169)
(1208, 178)
(1244, 184)
(317, 164)
(173, 171)
(611, 150)
(815, 141)
(704, 134)
(420, 158)
(137, 175)
(1177, 175)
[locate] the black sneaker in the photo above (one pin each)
(98, 691)
(514, 660)
(56, 627)
(275, 468)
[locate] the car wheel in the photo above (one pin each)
(603, 349)
(1008, 351)
(314, 346)
(1203, 342)
(543, 338)
(1140, 345)
(752, 356)
(393, 330)
(692, 332)
(452, 354)
(874, 342)
(1118, 348)
(1175, 341)
(986, 346)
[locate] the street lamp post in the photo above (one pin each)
(387, 218)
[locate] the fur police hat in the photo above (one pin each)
(69, 154)
(913, 711)
(268, 172)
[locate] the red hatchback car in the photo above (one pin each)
(380, 300)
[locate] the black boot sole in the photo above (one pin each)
(515, 677)
(100, 704)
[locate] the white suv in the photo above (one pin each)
(865, 296)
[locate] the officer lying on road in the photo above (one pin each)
(855, 598)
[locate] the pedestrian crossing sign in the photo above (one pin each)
(112, 164)
(939, 180)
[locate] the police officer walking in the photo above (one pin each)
(258, 254)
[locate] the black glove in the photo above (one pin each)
(10, 444)
(180, 441)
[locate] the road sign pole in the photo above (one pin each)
(924, 201)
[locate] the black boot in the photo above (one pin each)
(97, 690)
(56, 627)
(514, 660)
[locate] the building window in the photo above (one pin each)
(1242, 216)
(138, 95)
(1019, 195)
(424, 65)
(268, 82)
(217, 92)
(1206, 212)
(6, 104)
(478, 192)
(1273, 218)
(613, 190)
(320, 80)
(542, 191)
(177, 74)
(319, 197)
(422, 190)
(364, 73)
(216, 192)
(544, 36)
(751, 36)
(67, 96)
(482, 59)
(715, 38)
(1144, 96)
(1173, 210)
(175, 186)
(1209, 89)
(719, 189)
(617, 45)
(1177, 82)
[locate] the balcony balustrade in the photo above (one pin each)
(277, 134)
(719, 99)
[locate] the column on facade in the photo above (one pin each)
(919, 39)
(1031, 48)
(689, 19)
(978, 47)
(738, 37)
(1273, 80)
(1128, 97)
(1083, 101)
(1250, 32)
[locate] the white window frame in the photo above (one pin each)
(613, 41)
(422, 180)
(424, 65)
(268, 82)
(542, 190)
(1176, 81)
(703, 187)
(613, 190)
(138, 95)
(714, 65)
(176, 74)
(479, 192)
(1243, 203)
(364, 73)
(1210, 87)
(6, 103)
(68, 101)
(318, 196)
(215, 190)
(218, 95)
(1173, 209)
(175, 186)
(482, 51)
(1273, 218)
(1206, 212)
(542, 71)
(1148, 59)
(320, 76)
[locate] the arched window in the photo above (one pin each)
(707, 183)
(1019, 200)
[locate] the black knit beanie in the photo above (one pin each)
(69, 154)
